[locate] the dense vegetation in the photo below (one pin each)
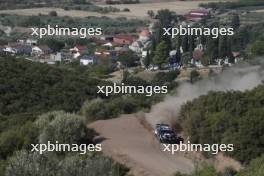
(109, 25)
(255, 168)
(91, 8)
(228, 117)
(54, 126)
(103, 108)
(233, 4)
(25, 163)
(27, 87)
(14, 4)
(30, 90)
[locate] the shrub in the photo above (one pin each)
(53, 13)
(63, 127)
(47, 164)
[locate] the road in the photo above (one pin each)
(128, 141)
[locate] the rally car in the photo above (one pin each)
(166, 134)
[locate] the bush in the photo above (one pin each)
(17, 138)
(225, 117)
(104, 109)
(25, 163)
(65, 128)
(162, 78)
(257, 48)
(256, 168)
(33, 87)
(53, 13)
(128, 59)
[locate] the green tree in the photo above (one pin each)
(185, 43)
(128, 59)
(25, 163)
(161, 54)
(194, 75)
(256, 168)
(94, 110)
(151, 13)
(147, 60)
(235, 22)
(66, 128)
(165, 16)
(53, 13)
(257, 48)
(223, 47)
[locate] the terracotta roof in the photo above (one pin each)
(236, 54)
(125, 37)
(145, 33)
(199, 11)
(81, 47)
(197, 54)
(99, 41)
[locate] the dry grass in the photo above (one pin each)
(140, 10)
(45, 11)
(136, 10)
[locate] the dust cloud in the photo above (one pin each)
(240, 77)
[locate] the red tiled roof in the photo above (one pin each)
(125, 37)
(236, 54)
(99, 41)
(197, 54)
(203, 11)
(197, 13)
(145, 33)
(81, 47)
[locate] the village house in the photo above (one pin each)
(17, 48)
(31, 42)
(197, 55)
(87, 60)
(237, 56)
(105, 53)
(56, 57)
(42, 50)
(123, 39)
(197, 14)
(78, 50)
(28, 41)
(143, 43)
(102, 52)
(120, 50)
(99, 41)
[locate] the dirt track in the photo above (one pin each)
(129, 142)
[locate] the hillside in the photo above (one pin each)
(228, 117)
(34, 87)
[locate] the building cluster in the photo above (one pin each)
(111, 47)
(105, 47)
